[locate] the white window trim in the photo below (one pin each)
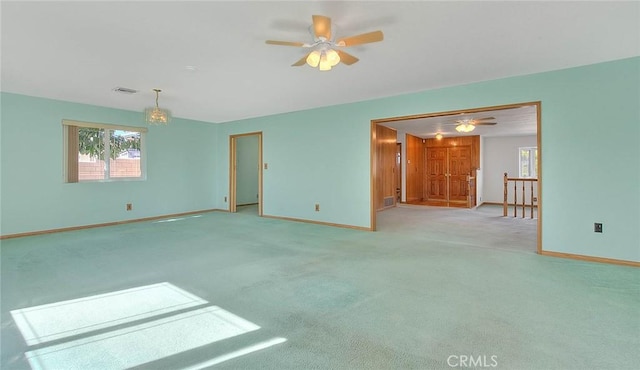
(67, 122)
(65, 155)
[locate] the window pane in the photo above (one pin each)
(524, 163)
(91, 154)
(100, 152)
(528, 162)
(125, 154)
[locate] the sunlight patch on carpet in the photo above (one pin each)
(59, 320)
(139, 344)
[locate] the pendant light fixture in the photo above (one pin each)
(156, 115)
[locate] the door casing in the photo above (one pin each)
(375, 122)
(233, 171)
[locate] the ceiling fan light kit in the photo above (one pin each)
(468, 125)
(325, 54)
(323, 59)
(313, 59)
(465, 127)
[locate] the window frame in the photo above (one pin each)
(68, 125)
(533, 165)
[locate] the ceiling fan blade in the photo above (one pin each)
(484, 119)
(301, 62)
(346, 58)
(484, 123)
(285, 43)
(322, 26)
(364, 38)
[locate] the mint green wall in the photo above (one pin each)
(180, 170)
(313, 157)
(590, 133)
(247, 158)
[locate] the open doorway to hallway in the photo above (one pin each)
(245, 178)
(437, 172)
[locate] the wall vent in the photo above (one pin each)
(125, 90)
(388, 201)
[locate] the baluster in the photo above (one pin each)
(532, 199)
(523, 199)
(504, 200)
(515, 198)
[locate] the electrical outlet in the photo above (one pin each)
(266, 166)
(317, 207)
(129, 206)
(597, 227)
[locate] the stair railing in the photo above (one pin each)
(524, 204)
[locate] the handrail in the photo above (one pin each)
(524, 204)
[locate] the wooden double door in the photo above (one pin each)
(442, 172)
(448, 172)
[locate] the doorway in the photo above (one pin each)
(245, 173)
(398, 177)
(433, 126)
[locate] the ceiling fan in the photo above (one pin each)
(325, 53)
(469, 124)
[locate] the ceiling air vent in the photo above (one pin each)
(125, 90)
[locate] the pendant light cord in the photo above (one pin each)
(157, 94)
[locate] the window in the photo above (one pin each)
(98, 152)
(528, 162)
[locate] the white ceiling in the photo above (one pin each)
(518, 121)
(80, 51)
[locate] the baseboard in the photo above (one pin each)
(386, 208)
(508, 204)
(344, 226)
(73, 228)
(590, 258)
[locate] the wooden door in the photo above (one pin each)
(446, 175)
(436, 178)
(459, 169)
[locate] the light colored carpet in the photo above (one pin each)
(432, 285)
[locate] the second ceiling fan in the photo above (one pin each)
(326, 53)
(468, 125)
